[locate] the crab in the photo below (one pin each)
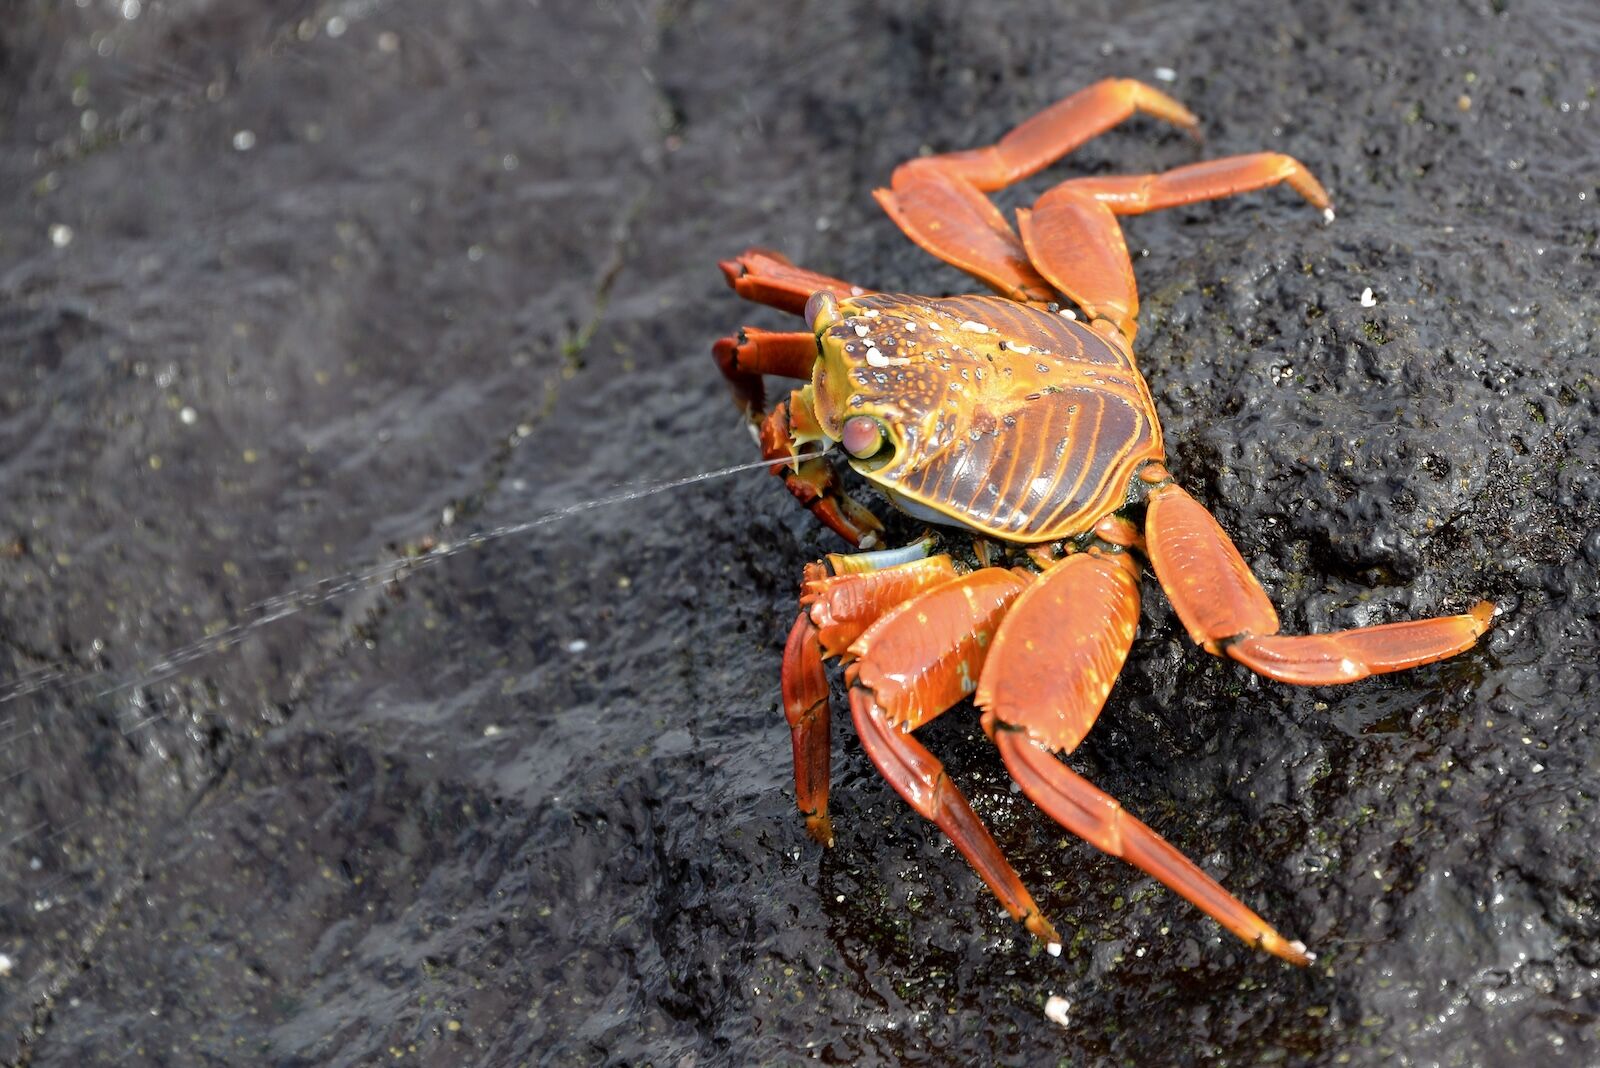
(1021, 421)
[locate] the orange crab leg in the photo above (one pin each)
(916, 662)
(1225, 609)
(814, 482)
(755, 352)
(790, 354)
(1074, 240)
(917, 776)
(938, 201)
(769, 278)
(805, 706)
(1100, 820)
(843, 606)
(1212, 179)
(1076, 243)
(834, 610)
(1053, 662)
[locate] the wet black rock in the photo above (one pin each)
(295, 291)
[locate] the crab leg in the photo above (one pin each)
(938, 201)
(1076, 243)
(916, 662)
(755, 352)
(1212, 179)
(768, 277)
(1100, 820)
(1074, 240)
(813, 481)
(834, 610)
(1047, 676)
(1225, 609)
(805, 706)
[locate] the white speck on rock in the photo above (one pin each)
(244, 140)
(1056, 1010)
(188, 416)
(1054, 949)
(6, 964)
(577, 645)
(1165, 74)
(1327, 215)
(60, 235)
(491, 730)
(1367, 299)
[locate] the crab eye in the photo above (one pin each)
(822, 311)
(863, 436)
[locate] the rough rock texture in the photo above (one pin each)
(290, 291)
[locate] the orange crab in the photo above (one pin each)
(1029, 426)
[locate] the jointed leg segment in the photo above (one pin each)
(1051, 667)
(1227, 612)
(1070, 242)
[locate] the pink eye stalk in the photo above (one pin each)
(863, 437)
(822, 311)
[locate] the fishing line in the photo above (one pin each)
(270, 610)
(265, 612)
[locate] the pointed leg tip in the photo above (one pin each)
(820, 828)
(1484, 612)
(1294, 952)
(1044, 931)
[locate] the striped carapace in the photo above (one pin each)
(1029, 425)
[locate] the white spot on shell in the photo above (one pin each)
(975, 327)
(1068, 313)
(871, 313)
(856, 291)
(876, 358)
(861, 331)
